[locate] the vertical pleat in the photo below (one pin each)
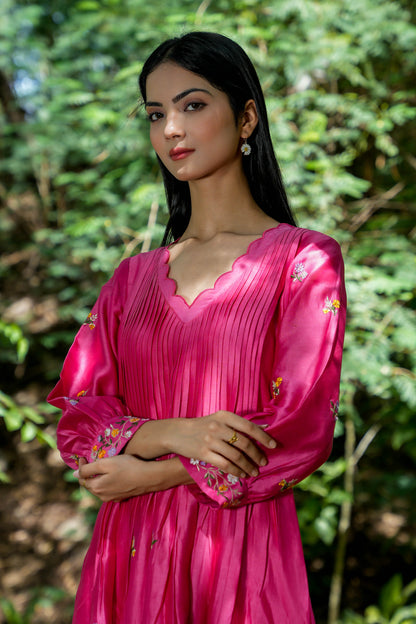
(191, 563)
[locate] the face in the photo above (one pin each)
(192, 126)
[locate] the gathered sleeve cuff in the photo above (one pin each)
(300, 390)
(95, 422)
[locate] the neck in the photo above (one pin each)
(224, 205)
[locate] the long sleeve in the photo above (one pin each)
(299, 396)
(95, 422)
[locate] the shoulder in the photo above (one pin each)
(131, 269)
(312, 243)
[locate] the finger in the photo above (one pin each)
(235, 455)
(244, 444)
(91, 470)
(250, 429)
(232, 460)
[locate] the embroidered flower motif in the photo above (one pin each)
(132, 547)
(154, 540)
(90, 320)
(286, 485)
(76, 459)
(227, 485)
(331, 306)
(71, 401)
(335, 409)
(109, 442)
(299, 272)
(275, 387)
(232, 479)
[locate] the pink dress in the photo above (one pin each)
(265, 342)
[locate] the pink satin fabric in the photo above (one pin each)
(265, 343)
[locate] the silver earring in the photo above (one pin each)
(246, 148)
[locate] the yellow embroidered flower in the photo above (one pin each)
(331, 306)
(133, 419)
(115, 433)
(95, 447)
(222, 488)
(101, 454)
(132, 547)
(82, 393)
(90, 320)
(275, 387)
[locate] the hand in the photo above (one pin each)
(222, 439)
(123, 476)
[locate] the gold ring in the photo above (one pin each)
(233, 438)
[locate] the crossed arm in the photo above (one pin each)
(138, 472)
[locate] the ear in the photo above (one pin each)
(249, 119)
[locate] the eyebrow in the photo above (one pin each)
(179, 97)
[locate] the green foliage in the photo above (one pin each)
(393, 607)
(42, 598)
(26, 420)
(14, 346)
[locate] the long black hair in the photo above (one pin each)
(225, 65)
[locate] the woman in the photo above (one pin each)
(204, 383)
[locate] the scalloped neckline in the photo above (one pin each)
(171, 285)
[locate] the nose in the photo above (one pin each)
(173, 126)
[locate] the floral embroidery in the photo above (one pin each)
(286, 485)
(335, 409)
(275, 387)
(76, 401)
(90, 320)
(331, 306)
(224, 484)
(299, 272)
(76, 459)
(132, 547)
(113, 435)
(154, 540)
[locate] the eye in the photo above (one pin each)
(154, 116)
(194, 106)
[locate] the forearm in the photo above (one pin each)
(169, 473)
(152, 439)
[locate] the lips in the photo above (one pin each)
(178, 153)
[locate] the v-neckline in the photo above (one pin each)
(188, 310)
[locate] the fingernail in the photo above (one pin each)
(254, 473)
(76, 474)
(243, 475)
(263, 462)
(272, 444)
